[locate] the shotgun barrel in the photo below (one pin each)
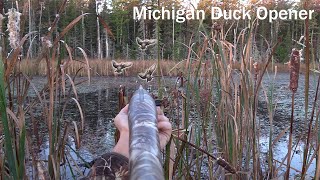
(144, 148)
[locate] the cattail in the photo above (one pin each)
(226, 165)
(216, 27)
(294, 65)
(294, 78)
(1, 19)
(46, 42)
(13, 27)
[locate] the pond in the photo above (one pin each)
(99, 102)
(281, 119)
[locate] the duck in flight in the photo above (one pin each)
(144, 44)
(148, 74)
(121, 66)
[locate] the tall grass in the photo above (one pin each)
(218, 103)
(103, 67)
(16, 108)
(17, 170)
(97, 67)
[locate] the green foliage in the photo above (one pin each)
(283, 50)
(125, 29)
(9, 145)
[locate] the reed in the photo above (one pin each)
(123, 101)
(10, 146)
(294, 79)
(271, 110)
(307, 57)
(98, 67)
(16, 108)
(317, 173)
(309, 132)
(224, 94)
(103, 67)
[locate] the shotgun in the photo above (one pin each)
(144, 148)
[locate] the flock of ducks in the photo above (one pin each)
(147, 75)
(119, 68)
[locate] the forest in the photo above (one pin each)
(116, 40)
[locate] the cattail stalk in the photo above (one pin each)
(1, 21)
(122, 103)
(294, 80)
(306, 89)
(254, 131)
(317, 176)
(306, 150)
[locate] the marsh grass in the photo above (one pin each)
(103, 67)
(218, 103)
(97, 67)
(16, 109)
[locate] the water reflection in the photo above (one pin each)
(281, 149)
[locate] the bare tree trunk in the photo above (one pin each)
(127, 54)
(30, 28)
(83, 32)
(173, 38)
(98, 39)
(41, 9)
(107, 45)
(134, 29)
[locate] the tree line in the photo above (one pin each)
(173, 38)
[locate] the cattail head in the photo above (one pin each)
(255, 66)
(1, 19)
(216, 27)
(294, 65)
(13, 27)
(46, 42)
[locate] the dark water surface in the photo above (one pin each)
(281, 119)
(99, 102)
